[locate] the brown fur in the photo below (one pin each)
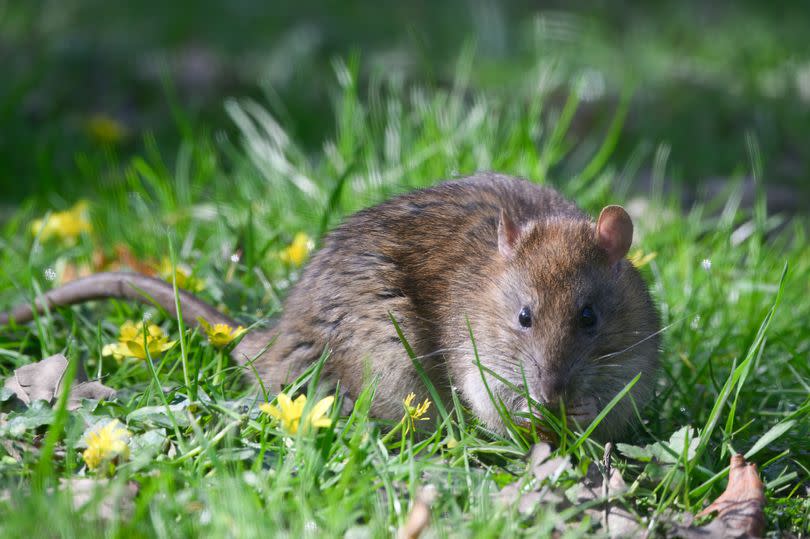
(433, 260)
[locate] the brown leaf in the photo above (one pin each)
(740, 508)
(125, 256)
(542, 468)
(615, 519)
(545, 467)
(527, 501)
(43, 381)
(116, 498)
(13, 447)
(38, 381)
(71, 272)
(93, 389)
(419, 517)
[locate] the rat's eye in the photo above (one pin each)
(587, 317)
(525, 317)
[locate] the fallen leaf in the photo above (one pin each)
(419, 517)
(93, 390)
(38, 381)
(115, 499)
(740, 508)
(544, 467)
(592, 491)
(13, 449)
(71, 272)
(43, 381)
(615, 519)
(126, 257)
(527, 501)
(123, 258)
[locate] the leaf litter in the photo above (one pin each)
(43, 381)
(601, 496)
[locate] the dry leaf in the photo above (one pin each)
(419, 517)
(38, 381)
(545, 467)
(528, 501)
(12, 448)
(123, 258)
(43, 381)
(740, 508)
(71, 272)
(615, 519)
(126, 257)
(93, 389)
(741, 505)
(116, 498)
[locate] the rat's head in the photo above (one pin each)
(567, 313)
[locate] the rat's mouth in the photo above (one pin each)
(579, 414)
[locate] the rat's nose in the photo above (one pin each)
(552, 388)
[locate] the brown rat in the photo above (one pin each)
(548, 295)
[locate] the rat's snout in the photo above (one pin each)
(552, 389)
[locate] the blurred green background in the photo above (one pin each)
(86, 83)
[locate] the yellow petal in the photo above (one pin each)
(116, 350)
(298, 406)
(136, 349)
(321, 408)
(409, 399)
(128, 330)
(271, 410)
(153, 331)
(168, 344)
(322, 422)
(296, 253)
(108, 443)
(284, 402)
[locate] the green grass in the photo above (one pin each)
(731, 284)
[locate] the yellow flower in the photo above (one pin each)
(130, 342)
(220, 335)
(108, 444)
(65, 226)
(414, 413)
(185, 277)
(639, 259)
(105, 129)
(296, 252)
(289, 412)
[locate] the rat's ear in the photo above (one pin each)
(508, 235)
(614, 232)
